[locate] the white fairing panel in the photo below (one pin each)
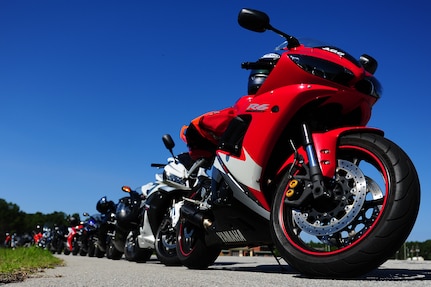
(245, 171)
(146, 238)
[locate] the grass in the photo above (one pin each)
(17, 264)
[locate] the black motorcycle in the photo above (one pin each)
(101, 237)
(128, 216)
(89, 236)
(58, 239)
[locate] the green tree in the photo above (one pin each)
(10, 218)
(13, 220)
(414, 249)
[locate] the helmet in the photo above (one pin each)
(104, 206)
(127, 212)
(259, 75)
(73, 221)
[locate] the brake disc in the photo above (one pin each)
(351, 196)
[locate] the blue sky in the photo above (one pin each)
(88, 87)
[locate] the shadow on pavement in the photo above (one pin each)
(379, 274)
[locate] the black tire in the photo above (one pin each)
(66, 250)
(50, 247)
(133, 252)
(59, 247)
(192, 250)
(112, 252)
(91, 248)
(98, 252)
(75, 246)
(83, 246)
(82, 252)
(361, 238)
(166, 242)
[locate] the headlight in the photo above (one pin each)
(167, 176)
(323, 69)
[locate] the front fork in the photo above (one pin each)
(316, 177)
(314, 162)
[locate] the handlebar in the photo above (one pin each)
(257, 65)
(158, 165)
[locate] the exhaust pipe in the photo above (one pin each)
(194, 216)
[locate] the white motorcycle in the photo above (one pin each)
(160, 207)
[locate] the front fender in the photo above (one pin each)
(325, 145)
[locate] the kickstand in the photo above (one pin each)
(277, 258)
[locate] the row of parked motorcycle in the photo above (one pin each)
(139, 224)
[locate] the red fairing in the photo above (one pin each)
(287, 90)
(268, 116)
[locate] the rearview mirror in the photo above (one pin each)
(253, 20)
(369, 63)
(168, 141)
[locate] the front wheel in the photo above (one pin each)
(75, 246)
(374, 202)
(99, 253)
(112, 252)
(133, 252)
(66, 249)
(92, 247)
(166, 243)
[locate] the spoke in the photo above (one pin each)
(373, 203)
(356, 161)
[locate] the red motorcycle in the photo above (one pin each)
(75, 230)
(298, 168)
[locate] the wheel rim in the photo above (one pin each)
(352, 197)
(167, 239)
(186, 239)
(340, 226)
(130, 244)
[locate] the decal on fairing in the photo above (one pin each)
(334, 50)
(257, 107)
(231, 236)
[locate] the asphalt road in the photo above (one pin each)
(227, 271)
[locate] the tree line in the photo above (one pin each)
(13, 220)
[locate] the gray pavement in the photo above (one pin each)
(227, 271)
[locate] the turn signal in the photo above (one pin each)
(126, 188)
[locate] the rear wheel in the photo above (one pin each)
(373, 207)
(191, 247)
